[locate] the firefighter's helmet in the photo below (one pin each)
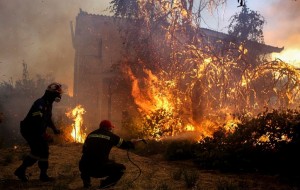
(106, 124)
(55, 91)
(55, 87)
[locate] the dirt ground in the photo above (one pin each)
(156, 173)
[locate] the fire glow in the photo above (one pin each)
(169, 111)
(188, 83)
(158, 101)
(289, 55)
(210, 93)
(77, 134)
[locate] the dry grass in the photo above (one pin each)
(157, 173)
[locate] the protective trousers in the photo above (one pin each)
(39, 151)
(112, 171)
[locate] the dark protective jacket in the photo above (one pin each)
(38, 118)
(98, 145)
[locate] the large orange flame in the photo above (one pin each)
(157, 100)
(77, 134)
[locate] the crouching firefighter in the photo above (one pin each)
(33, 129)
(95, 156)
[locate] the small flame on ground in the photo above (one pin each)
(77, 134)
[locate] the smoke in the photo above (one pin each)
(38, 32)
(281, 28)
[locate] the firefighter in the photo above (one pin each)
(33, 129)
(95, 156)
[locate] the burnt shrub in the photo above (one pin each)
(266, 143)
(170, 149)
(212, 153)
(179, 150)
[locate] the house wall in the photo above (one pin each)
(97, 47)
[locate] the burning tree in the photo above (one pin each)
(182, 81)
(247, 25)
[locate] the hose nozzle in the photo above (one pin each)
(139, 140)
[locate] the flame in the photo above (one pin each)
(264, 138)
(186, 83)
(168, 111)
(169, 115)
(231, 125)
(77, 134)
(189, 127)
(242, 49)
(155, 97)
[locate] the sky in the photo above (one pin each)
(38, 32)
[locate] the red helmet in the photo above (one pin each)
(106, 124)
(55, 87)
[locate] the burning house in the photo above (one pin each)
(98, 46)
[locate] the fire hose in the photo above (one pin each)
(140, 171)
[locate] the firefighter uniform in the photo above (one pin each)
(33, 129)
(95, 156)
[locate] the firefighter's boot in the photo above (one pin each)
(86, 180)
(43, 165)
(21, 171)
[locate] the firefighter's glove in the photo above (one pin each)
(56, 131)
